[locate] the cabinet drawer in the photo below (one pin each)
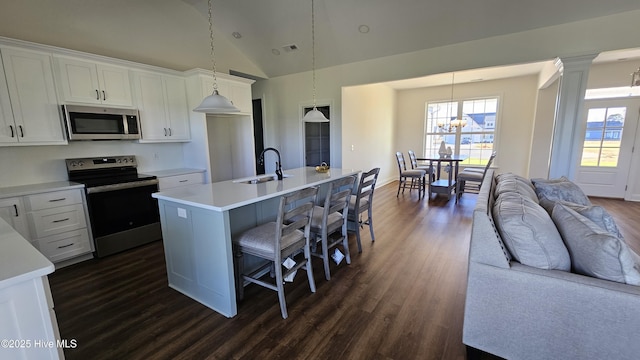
(57, 220)
(53, 199)
(66, 245)
(169, 182)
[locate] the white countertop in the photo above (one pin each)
(38, 188)
(226, 195)
(19, 260)
(173, 172)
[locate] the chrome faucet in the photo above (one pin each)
(278, 163)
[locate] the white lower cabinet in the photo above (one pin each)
(29, 327)
(66, 245)
(58, 223)
(12, 211)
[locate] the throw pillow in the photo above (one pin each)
(598, 215)
(529, 233)
(559, 190)
(594, 251)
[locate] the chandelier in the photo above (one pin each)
(448, 125)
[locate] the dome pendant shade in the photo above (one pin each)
(216, 104)
(315, 116)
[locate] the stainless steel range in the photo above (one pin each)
(122, 212)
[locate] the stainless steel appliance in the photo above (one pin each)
(121, 210)
(101, 123)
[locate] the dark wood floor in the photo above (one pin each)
(401, 298)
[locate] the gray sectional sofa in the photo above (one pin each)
(545, 309)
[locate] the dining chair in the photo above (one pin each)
(413, 178)
(470, 179)
(331, 219)
(276, 241)
(415, 166)
(361, 202)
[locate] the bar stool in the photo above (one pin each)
(277, 240)
(331, 218)
(361, 202)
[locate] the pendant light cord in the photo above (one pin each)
(313, 52)
(213, 60)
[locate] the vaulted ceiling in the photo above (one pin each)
(174, 33)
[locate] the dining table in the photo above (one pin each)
(447, 185)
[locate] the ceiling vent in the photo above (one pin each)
(290, 48)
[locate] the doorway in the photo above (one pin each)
(610, 132)
(317, 139)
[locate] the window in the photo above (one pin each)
(603, 137)
(474, 138)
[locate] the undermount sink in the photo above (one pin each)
(259, 179)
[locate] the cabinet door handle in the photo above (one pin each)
(104, 95)
(64, 246)
(60, 220)
(169, 131)
(165, 131)
(97, 95)
(21, 130)
(12, 132)
(185, 180)
(15, 208)
(59, 199)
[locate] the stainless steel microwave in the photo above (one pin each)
(101, 123)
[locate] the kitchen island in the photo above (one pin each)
(198, 223)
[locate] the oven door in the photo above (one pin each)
(122, 218)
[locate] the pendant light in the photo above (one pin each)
(215, 103)
(314, 115)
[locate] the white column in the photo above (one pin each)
(567, 132)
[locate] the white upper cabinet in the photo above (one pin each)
(34, 117)
(6, 116)
(86, 82)
(162, 102)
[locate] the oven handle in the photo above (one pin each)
(115, 187)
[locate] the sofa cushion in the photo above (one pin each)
(529, 233)
(551, 191)
(594, 251)
(598, 215)
(516, 184)
(509, 175)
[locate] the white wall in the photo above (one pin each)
(21, 165)
(368, 130)
(284, 95)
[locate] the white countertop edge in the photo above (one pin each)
(168, 195)
(173, 172)
(19, 260)
(30, 189)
